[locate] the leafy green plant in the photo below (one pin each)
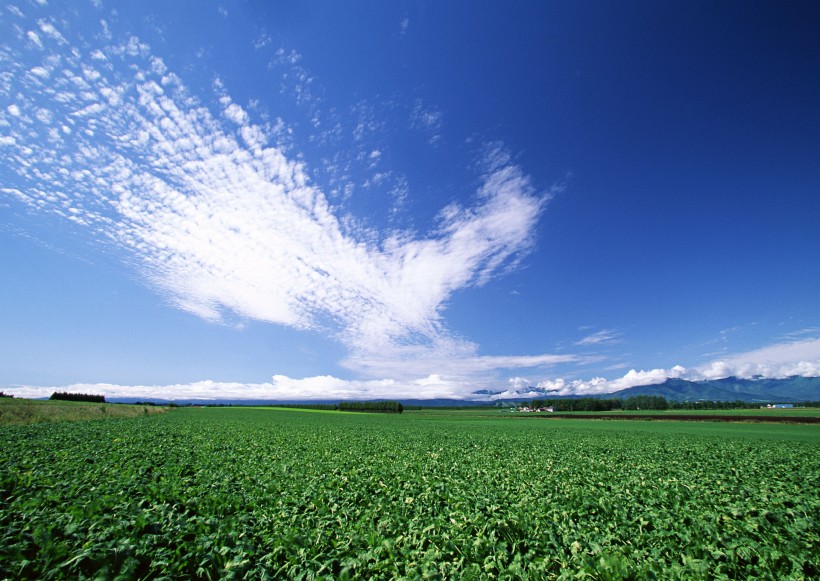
(255, 493)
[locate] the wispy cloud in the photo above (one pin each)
(456, 361)
(221, 221)
(599, 337)
(263, 40)
(427, 119)
(801, 333)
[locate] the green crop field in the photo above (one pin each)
(265, 493)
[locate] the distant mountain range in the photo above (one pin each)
(791, 389)
(788, 390)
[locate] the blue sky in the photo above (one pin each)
(297, 200)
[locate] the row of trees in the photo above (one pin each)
(712, 405)
(593, 404)
(581, 404)
(387, 407)
(88, 397)
(646, 402)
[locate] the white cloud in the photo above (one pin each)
(600, 385)
(456, 360)
(780, 360)
(41, 72)
(34, 38)
(281, 388)
(796, 358)
(599, 337)
(223, 224)
(518, 383)
(49, 30)
(428, 119)
(801, 333)
(635, 378)
(263, 40)
(236, 114)
(282, 56)
(518, 388)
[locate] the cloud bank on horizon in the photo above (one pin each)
(798, 358)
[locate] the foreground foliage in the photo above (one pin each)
(242, 493)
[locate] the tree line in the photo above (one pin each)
(387, 406)
(582, 404)
(87, 397)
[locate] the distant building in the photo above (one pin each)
(780, 406)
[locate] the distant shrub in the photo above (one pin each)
(5, 394)
(88, 397)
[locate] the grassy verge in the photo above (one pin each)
(16, 411)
